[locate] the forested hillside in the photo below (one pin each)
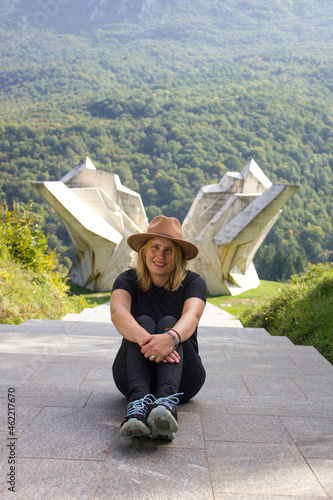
(170, 95)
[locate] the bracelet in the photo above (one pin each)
(179, 338)
(174, 338)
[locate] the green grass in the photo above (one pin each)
(236, 305)
(26, 295)
(301, 308)
(302, 311)
(92, 299)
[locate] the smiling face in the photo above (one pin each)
(159, 260)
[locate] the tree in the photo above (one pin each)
(23, 236)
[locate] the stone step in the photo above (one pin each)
(241, 335)
(217, 335)
(220, 354)
(50, 327)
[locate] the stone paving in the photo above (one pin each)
(261, 427)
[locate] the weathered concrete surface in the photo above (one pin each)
(261, 428)
(228, 222)
(99, 213)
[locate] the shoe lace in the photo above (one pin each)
(140, 406)
(169, 401)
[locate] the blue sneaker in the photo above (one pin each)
(162, 419)
(135, 421)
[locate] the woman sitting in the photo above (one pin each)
(156, 307)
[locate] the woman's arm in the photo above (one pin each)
(128, 327)
(189, 320)
(123, 320)
(185, 326)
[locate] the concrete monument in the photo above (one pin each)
(99, 213)
(228, 221)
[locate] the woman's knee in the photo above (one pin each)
(165, 323)
(147, 323)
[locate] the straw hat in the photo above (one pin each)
(167, 227)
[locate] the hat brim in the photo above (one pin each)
(135, 241)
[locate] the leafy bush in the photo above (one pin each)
(302, 310)
(30, 287)
(22, 234)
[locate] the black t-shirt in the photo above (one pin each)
(158, 302)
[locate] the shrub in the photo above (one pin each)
(302, 310)
(30, 286)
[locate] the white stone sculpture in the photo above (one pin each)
(228, 221)
(99, 213)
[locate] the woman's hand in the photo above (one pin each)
(172, 358)
(161, 347)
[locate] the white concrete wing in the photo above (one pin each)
(228, 221)
(99, 214)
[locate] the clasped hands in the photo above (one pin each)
(160, 348)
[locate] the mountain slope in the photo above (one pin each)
(170, 95)
(296, 20)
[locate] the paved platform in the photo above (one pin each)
(261, 427)
(212, 316)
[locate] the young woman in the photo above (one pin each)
(156, 307)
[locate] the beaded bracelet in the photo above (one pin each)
(174, 338)
(179, 338)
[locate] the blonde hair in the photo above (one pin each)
(177, 275)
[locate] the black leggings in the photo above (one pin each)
(135, 376)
